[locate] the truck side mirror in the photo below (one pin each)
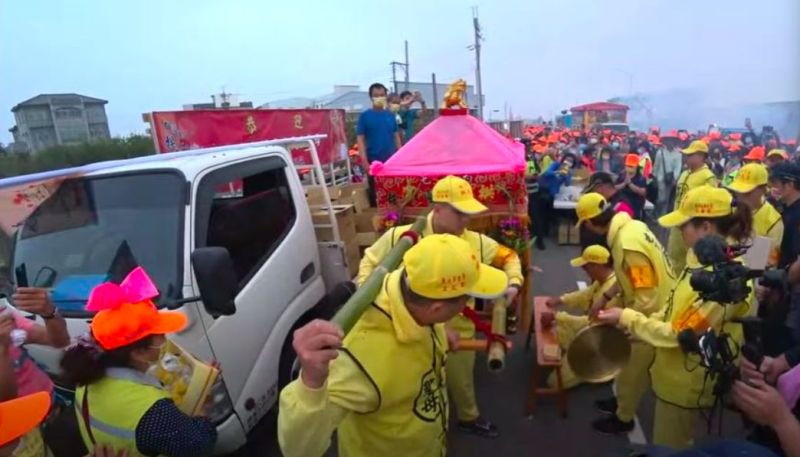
(216, 279)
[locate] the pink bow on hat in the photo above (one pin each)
(136, 287)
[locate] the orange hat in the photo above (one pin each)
(735, 147)
(714, 135)
(735, 136)
(683, 136)
(126, 313)
(539, 148)
(21, 415)
(670, 134)
(552, 138)
(631, 160)
(653, 139)
(757, 153)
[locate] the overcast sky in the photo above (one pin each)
(540, 56)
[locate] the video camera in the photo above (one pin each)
(727, 283)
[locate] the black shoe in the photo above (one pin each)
(540, 244)
(480, 427)
(612, 425)
(607, 406)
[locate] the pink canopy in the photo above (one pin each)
(456, 144)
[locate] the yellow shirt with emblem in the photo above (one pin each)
(567, 325)
(490, 252)
(642, 270)
(672, 382)
(688, 180)
(385, 394)
(767, 222)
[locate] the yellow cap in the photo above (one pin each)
(592, 254)
(703, 201)
(778, 152)
(589, 206)
(695, 147)
(445, 266)
(457, 192)
(749, 177)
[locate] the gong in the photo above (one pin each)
(598, 353)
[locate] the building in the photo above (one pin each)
(48, 120)
(352, 98)
(220, 101)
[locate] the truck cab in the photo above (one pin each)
(105, 219)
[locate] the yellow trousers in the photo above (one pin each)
(676, 250)
(567, 326)
(634, 380)
(461, 384)
(674, 426)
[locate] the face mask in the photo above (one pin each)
(395, 107)
(615, 145)
(379, 102)
(606, 156)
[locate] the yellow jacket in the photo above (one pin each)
(767, 222)
(642, 269)
(567, 325)
(490, 251)
(581, 300)
(688, 180)
(385, 394)
(672, 379)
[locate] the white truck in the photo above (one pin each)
(238, 214)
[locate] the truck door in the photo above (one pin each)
(251, 209)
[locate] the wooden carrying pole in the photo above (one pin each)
(496, 357)
(352, 310)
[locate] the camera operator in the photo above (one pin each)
(785, 180)
(776, 411)
(679, 384)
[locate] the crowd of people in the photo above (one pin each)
(383, 388)
(646, 289)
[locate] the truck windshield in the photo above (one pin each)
(93, 230)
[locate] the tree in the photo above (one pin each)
(65, 156)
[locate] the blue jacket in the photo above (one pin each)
(552, 181)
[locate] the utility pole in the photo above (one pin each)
(394, 65)
(407, 72)
(477, 48)
(435, 95)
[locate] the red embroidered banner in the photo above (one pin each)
(493, 190)
(182, 130)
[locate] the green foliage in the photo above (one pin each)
(66, 156)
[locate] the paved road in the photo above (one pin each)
(502, 399)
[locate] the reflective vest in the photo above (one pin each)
(405, 363)
(115, 406)
(765, 223)
(627, 234)
(532, 168)
(671, 380)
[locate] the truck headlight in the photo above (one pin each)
(220, 406)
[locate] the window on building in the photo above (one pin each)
(68, 113)
(72, 133)
(248, 210)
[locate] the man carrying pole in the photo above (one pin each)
(382, 387)
(454, 203)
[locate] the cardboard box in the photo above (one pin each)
(366, 238)
(349, 194)
(345, 219)
(563, 232)
(353, 258)
(367, 221)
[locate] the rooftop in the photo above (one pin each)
(56, 99)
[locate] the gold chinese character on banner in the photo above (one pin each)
(250, 125)
(298, 121)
